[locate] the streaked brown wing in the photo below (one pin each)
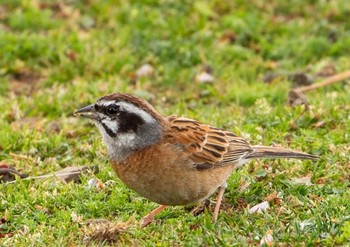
(209, 146)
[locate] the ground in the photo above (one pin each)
(227, 63)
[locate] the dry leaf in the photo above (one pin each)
(205, 77)
(9, 173)
(101, 230)
(306, 223)
(94, 183)
(145, 70)
(244, 186)
(297, 98)
(73, 173)
(319, 124)
(322, 180)
(228, 37)
(72, 55)
(67, 174)
(316, 198)
(76, 218)
(259, 208)
(300, 79)
(6, 235)
(327, 70)
(274, 197)
(267, 239)
(304, 180)
(53, 127)
(43, 209)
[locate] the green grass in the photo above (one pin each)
(57, 58)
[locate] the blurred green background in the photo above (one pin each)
(227, 63)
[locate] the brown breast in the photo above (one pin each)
(163, 173)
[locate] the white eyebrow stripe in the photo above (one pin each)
(106, 103)
(136, 110)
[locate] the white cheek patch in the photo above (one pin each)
(128, 107)
(112, 125)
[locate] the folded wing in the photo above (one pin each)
(209, 147)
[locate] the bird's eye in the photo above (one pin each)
(113, 110)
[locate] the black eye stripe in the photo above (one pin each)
(129, 122)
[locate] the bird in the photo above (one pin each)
(171, 160)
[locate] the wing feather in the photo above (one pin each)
(208, 146)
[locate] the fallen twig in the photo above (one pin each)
(65, 176)
(331, 80)
(21, 157)
(296, 96)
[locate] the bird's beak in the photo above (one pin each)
(87, 111)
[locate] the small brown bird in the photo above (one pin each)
(171, 160)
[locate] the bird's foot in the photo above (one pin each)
(201, 207)
(146, 221)
(149, 217)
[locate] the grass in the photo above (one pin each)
(56, 58)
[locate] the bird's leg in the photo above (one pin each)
(218, 201)
(149, 217)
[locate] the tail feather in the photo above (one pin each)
(277, 152)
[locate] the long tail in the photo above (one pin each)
(277, 152)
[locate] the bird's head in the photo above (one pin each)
(126, 122)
